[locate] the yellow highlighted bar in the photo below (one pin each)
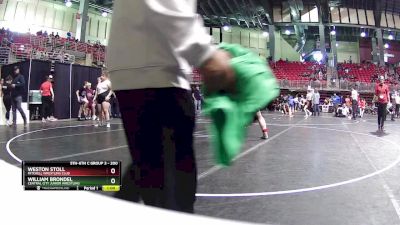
(110, 188)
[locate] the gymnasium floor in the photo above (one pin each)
(321, 170)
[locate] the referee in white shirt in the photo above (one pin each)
(152, 44)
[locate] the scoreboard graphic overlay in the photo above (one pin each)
(72, 175)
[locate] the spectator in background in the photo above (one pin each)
(291, 105)
(83, 102)
(286, 82)
(296, 103)
(18, 87)
(69, 35)
(47, 92)
(308, 104)
(45, 34)
(336, 101)
(197, 98)
(57, 36)
(115, 113)
(382, 93)
(91, 105)
(347, 101)
(397, 101)
(102, 98)
(354, 103)
(315, 102)
(7, 98)
(5, 42)
(393, 106)
(362, 105)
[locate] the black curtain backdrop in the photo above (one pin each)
(39, 71)
(94, 74)
(61, 90)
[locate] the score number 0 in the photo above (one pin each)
(113, 172)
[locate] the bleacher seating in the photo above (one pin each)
(26, 46)
(359, 72)
(293, 70)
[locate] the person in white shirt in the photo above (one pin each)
(296, 103)
(102, 98)
(345, 111)
(308, 103)
(354, 97)
(397, 101)
(315, 103)
(152, 46)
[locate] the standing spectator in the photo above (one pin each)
(392, 107)
(47, 92)
(285, 104)
(335, 101)
(362, 105)
(397, 101)
(382, 93)
(7, 98)
(347, 101)
(177, 31)
(18, 87)
(197, 98)
(291, 105)
(2, 108)
(303, 103)
(308, 104)
(91, 105)
(114, 106)
(354, 103)
(83, 101)
(315, 102)
(52, 105)
(102, 97)
(296, 103)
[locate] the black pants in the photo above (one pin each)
(381, 114)
(7, 105)
(46, 107)
(161, 145)
(16, 105)
(115, 108)
(355, 108)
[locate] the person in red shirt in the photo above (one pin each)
(382, 93)
(46, 90)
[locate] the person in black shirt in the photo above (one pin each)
(17, 90)
(6, 90)
(83, 101)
